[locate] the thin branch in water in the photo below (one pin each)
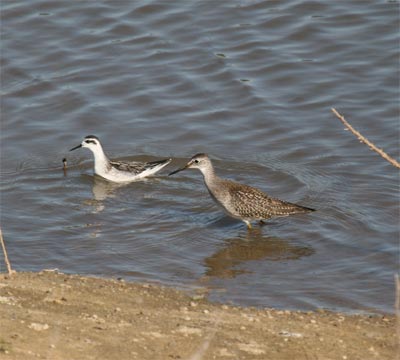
(397, 309)
(366, 141)
(3, 245)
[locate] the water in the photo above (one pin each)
(249, 82)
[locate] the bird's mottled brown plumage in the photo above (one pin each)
(238, 200)
(250, 203)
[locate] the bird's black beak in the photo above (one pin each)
(177, 170)
(76, 147)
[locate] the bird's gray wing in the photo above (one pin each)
(136, 167)
(132, 167)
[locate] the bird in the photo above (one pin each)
(240, 201)
(118, 171)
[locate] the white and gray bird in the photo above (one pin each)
(238, 200)
(118, 171)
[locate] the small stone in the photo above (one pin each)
(206, 311)
(290, 334)
(224, 352)
(193, 304)
(38, 327)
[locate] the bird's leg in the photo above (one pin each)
(248, 224)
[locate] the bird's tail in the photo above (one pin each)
(155, 166)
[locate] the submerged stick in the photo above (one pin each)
(366, 141)
(397, 308)
(3, 245)
(64, 160)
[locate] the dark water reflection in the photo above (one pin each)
(230, 261)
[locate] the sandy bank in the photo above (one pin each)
(56, 316)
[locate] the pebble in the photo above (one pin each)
(224, 352)
(206, 311)
(193, 304)
(290, 334)
(38, 327)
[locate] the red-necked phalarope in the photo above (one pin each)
(238, 200)
(119, 171)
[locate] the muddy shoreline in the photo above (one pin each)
(48, 315)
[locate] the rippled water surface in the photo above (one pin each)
(249, 82)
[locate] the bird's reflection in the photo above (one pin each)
(101, 190)
(252, 246)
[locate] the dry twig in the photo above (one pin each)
(10, 271)
(366, 141)
(397, 309)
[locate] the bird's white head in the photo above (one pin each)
(91, 142)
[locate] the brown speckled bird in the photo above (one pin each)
(238, 200)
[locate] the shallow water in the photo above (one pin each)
(250, 83)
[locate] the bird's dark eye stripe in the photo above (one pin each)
(90, 142)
